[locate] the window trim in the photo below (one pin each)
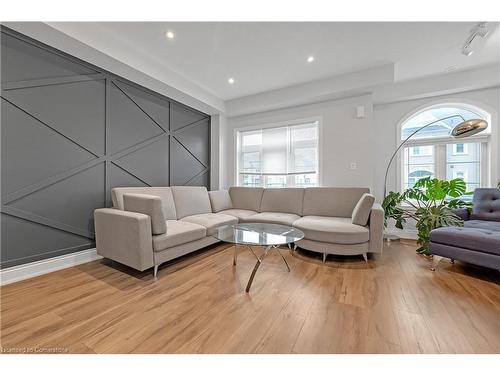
(489, 169)
(270, 125)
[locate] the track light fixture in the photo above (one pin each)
(480, 30)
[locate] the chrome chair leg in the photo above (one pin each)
(155, 272)
(365, 257)
(324, 257)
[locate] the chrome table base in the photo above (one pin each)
(259, 261)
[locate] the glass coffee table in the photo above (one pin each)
(272, 236)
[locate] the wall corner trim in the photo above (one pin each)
(41, 267)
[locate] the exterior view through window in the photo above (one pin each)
(284, 156)
(432, 153)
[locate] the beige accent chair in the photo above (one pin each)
(148, 226)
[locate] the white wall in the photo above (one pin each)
(369, 142)
(218, 167)
(387, 118)
(343, 139)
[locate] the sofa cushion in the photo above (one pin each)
(361, 212)
(211, 221)
(246, 198)
(331, 201)
(287, 200)
(338, 230)
(149, 205)
(241, 215)
(273, 218)
(220, 200)
(191, 200)
(178, 233)
(164, 192)
(482, 240)
(483, 224)
(486, 204)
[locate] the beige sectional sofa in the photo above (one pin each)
(148, 226)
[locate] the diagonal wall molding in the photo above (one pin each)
(33, 224)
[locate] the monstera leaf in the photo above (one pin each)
(430, 202)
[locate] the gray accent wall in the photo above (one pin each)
(70, 132)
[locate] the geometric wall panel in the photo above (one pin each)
(193, 138)
(68, 138)
(82, 193)
(157, 108)
(75, 109)
(181, 116)
(31, 151)
(119, 177)
(20, 237)
(129, 125)
(22, 61)
(184, 166)
(200, 180)
(150, 163)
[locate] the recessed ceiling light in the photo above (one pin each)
(467, 50)
(170, 34)
(310, 59)
(230, 81)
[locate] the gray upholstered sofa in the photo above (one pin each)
(478, 241)
(151, 225)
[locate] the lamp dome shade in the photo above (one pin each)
(468, 128)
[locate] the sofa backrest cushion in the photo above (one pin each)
(220, 200)
(331, 201)
(191, 200)
(246, 198)
(287, 200)
(150, 205)
(486, 204)
(164, 192)
(361, 212)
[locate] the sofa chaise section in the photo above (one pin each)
(478, 241)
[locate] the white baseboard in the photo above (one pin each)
(41, 267)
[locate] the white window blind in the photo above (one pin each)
(282, 156)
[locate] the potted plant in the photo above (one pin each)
(430, 202)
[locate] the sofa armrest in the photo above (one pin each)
(376, 223)
(462, 213)
(125, 237)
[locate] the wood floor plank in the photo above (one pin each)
(392, 304)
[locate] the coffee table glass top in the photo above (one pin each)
(258, 234)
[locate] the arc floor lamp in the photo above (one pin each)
(463, 130)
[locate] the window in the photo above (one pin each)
(432, 153)
(460, 149)
(284, 156)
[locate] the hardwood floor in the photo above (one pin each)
(392, 304)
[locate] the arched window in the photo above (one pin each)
(431, 152)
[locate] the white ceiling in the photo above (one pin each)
(267, 56)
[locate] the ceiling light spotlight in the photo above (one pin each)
(467, 50)
(230, 81)
(310, 59)
(480, 29)
(170, 34)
